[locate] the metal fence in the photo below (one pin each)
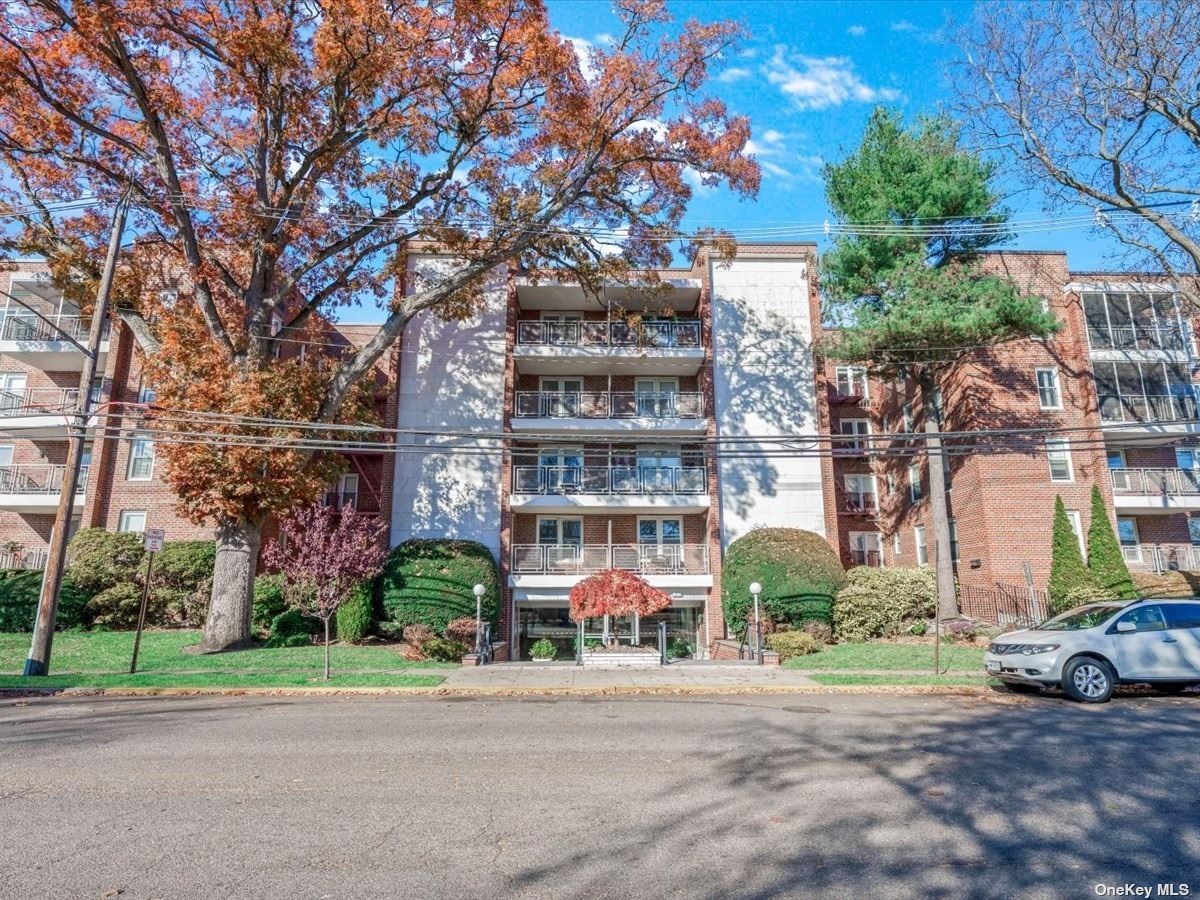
(672, 333)
(1006, 605)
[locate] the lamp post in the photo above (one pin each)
(755, 590)
(479, 590)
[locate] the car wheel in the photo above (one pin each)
(1171, 687)
(1088, 680)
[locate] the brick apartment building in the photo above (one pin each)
(120, 485)
(1114, 391)
(570, 432)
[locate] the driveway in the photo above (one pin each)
(835, 795)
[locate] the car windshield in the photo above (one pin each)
(1081, 617)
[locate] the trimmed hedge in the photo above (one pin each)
(792, 643)
(20, 590)
(98, 560)
(291, 628)
(430, 582)
(354, 615)
(182, 582)
(798, 570)
(268, 602)
(883, 602)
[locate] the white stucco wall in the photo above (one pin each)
(451, 379)
(764, 385)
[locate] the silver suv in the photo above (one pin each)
(1091, 649)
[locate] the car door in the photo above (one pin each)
(1149, 651)
(1183, 621)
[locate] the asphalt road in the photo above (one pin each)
(832, 795)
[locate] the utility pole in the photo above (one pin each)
(38, 662)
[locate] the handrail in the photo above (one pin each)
(609, 405)
(1155, 481)
(584, 559)
(38, 401)
(634, 479)
(23, 326)
(1161, 558)
(32, 560)
(37, 479)
(652, 334)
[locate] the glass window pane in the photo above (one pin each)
(672, 531)
(647, 531)
(572, 531)
(1127, 531)
(548, 531)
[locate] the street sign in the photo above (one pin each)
(154, 539)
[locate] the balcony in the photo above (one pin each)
(30, 560)
(547, 412)
(575, 561)
(1161, 558)
(1155, 490)
(860, 503)
(36, 488)
(38, 412)
(44, 344)
(1142, 418)
(1139, 338)
(632, 488)
(660, 347)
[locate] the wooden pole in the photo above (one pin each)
(38, 662)
(137, 638)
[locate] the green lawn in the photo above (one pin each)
(101, 659)
(880, 655)
(845, 678)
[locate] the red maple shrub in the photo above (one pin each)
(615, 592)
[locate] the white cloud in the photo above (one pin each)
(604, 38)
(903, 25)
(583, 52)
(733, 73)
(856, 30)
(773, 152)
(819, 82)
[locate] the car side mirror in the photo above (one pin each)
(1126, 627)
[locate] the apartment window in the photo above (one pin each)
(343, 492)
(1058, 452)
(1077, 528)
(1049, 396)
(1144, 391)
(1127, 533)
(914, 483)
(855, 431)
(560, 531)
(141, 459)
(860, 493)
(1187, 458)
(660, 531)
(953, 542)
(891, 483)
(6, 455)
(132, 520)
(907, 418)
(896, 543)
(146, 395)
(851, 381)
(866, 548)
(922, 549)
(1117, 320)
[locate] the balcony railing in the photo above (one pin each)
(1138, 337)
(1163, 557)
(34, 560)
(1152, 408)
(602, 405)
(26, 327)
(1156, 482)
(860, 502)
(38, 402)
(638, 479)
(37, 479)
(667, 334)
(576, 559)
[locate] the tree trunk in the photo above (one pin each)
(227, 626)
(326, 620)
(943, 564)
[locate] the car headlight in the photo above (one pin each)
(1034, 649)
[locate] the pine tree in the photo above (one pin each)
(1069, 576)
(1105, 560)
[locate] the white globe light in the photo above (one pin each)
(755, 588)
(479, 590)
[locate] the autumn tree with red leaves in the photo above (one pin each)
(615, 592)
(284, 152)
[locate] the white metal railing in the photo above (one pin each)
(38, 401)
(1156, 482)
(584, 559)
(604, 405)
(635, 479)
(25, 326)
(1138, 337)
(1163, 557)
(1146, 408)
(37, 479)
(24, 559)
(667, 333)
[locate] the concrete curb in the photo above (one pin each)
(597, 691)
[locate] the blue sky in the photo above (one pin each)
(808, 78)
